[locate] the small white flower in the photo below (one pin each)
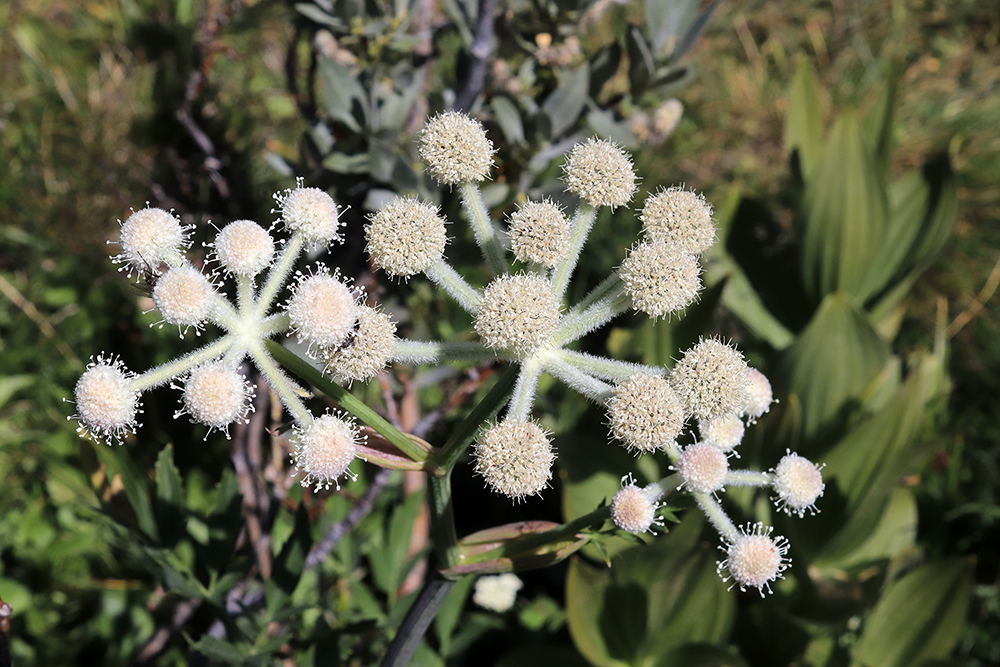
(497, 592)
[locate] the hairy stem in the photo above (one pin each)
(592, 388)
(281, 384)
(432, 352)
(279, 273)
(604, 368)
(720, 520)
(747, 478)
(162, 374)
(582, 222)
(486, 233)
(599, 313)
(449, 279)
(524, 392)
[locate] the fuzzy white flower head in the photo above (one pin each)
(755, 559)
(216, 395)
(600, 172)
(632, 509)
(710, 379)
(367, 352)
(798, 483)
(725, 432)
(644, 413)
(150, 237)
(244, 248)
(312, 213)
(680, 218)
(324, 450)
(539, 232)
(518, 312)
(515, 458)
(497, 592)
(322, 309)
(406, 237)
(759, 396)
(703, 468)
(184, 296)
(456, 149)
(106, 406)
(660, 279)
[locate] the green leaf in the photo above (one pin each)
(919, 617)
(509, 119)
(846, 211)
(804, 122)
(342, 95)
(136, 484)
(895, 531)
(564, 105)
(701, 655)
(291, 561)
(834, 359)
(878, 119)
(943, 209)
(450, 611)
(168, 478)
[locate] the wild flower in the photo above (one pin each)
(497, 592)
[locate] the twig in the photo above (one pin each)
(248, 474)
(182, 613)
(482, 46)
(364, 507)
(977, 304)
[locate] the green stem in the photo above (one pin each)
(346, 400)
(487, 409)
(604, 368)
(279, 272)
(443, 275)
(486, 233)
(612, 282)
(584, 220)
(161, 374)
(442, 519)
(281, 385)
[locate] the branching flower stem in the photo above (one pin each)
(486, 233)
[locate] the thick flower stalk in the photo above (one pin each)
(324, 311)
(521, 317)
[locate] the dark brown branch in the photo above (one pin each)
(482, 47)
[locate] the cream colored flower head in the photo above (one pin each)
(600, 172)
(455, 149)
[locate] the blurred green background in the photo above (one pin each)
(127, 556)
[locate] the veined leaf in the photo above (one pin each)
(804, 122)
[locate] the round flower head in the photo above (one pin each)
(645, 413)
(680, 218)
(724, 432)
(497, 592)
(455, 149)
(539, 232)
(759, 396)
(312, 213)
(106, 406)
(324, 449)
(600, 172)
(406, 237)
(755, 559)
(149, 238)
(244, 248)
(322, 309)
(632, 510)
(798, 483)
(515, 457)
(660, 279)
(710, 379)
(184, 296)
(703, 468)
(216, 395)
(519, 312)
(364, 355)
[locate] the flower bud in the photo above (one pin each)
(515, 458)
(703, 468)
(312, 213)
(244, 248)
(518, 312)
(759, 396)
(184, 296)
(324, 450)
(107, 406)
(679, 218)
(724, 432)
(798, 483)
(149, 238)
(755, 559)
(600, 172)
(660, 279)
(405, 237)
(322, 309)
(539, 232)
(710, 379)
(367, 352)
(632, 510)
(645, 413)
(455, 149)
(216, 395)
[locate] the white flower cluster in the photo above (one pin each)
(324, 311)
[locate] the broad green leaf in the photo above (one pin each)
(663, 20)
(564, 105)
(943, 208)
(388, 561)
(509, 119)
(450, 611)
(878, 119)
(846, 210)
(908, 197)
(653, 600)
(834, 359)
(291, 560)
(168, 478)
(919, 617)
(895, 531)
(804, 122)
(341, 93)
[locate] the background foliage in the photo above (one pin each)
(138, 554)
